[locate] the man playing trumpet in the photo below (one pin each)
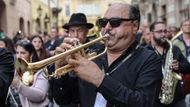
(128, 75)
(78, 29)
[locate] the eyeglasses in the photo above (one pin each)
(186, 25)
(114, 22)
(161, 31)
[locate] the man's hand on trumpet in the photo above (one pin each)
(84, 68)
(66, 45)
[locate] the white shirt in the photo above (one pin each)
(100, 101)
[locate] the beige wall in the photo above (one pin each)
(13, 13)
(45, 10)
(88, 6)
(27, 10)
(75, 4)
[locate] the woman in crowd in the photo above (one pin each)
(7, 43)
(38, 43)
(36, 94)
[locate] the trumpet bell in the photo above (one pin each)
(22, 69)
(21, 66)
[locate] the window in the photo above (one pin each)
(67, 10)
(89, 9)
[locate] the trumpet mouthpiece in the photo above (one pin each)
(107, 35)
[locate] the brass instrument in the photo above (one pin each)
(27, 70)
(65, 69)
(177, 35)
(170, 79)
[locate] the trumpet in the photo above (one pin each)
(28, 70)
(65, 69)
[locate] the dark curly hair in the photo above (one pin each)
(27, 45)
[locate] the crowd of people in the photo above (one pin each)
(145, 64)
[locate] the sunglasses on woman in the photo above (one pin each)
(114, 22)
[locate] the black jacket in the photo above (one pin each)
(134, 83)
(52, 46)
(6, 73)
(56, 85)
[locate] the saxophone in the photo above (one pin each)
(169, 80)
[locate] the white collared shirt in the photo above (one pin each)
(100, 101)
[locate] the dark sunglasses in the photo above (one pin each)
(114, 22)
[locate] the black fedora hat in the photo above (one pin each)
(78, 19)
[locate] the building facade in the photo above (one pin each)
(38, 16)
(15, 15)
(173, 12)
(41, 16)
(93, 9)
